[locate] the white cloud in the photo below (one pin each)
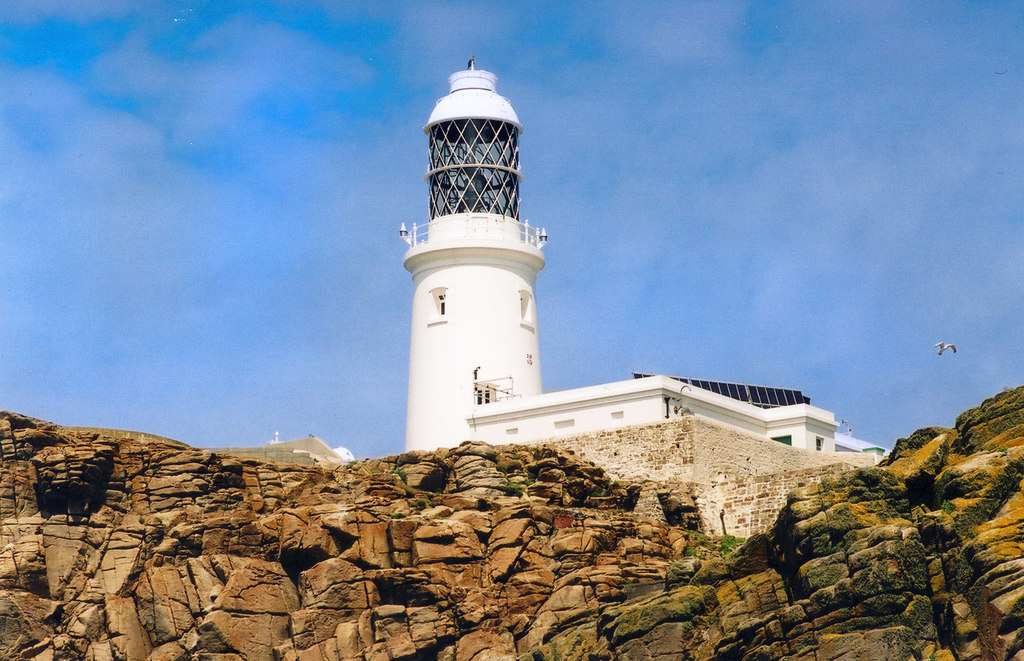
(236, 72)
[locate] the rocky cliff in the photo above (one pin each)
(921, 558)
(123, 549)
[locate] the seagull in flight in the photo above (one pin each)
(943, 346)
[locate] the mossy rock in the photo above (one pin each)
(883, 605)
(710, 573)
(994, 416)
(819, 573)
(879, 485)
(576, 644)
(803, 540)
(977, 495)
(750, 557)
(919, 468)
(906, 447)
(681, 605)
(891, 567)
(681, 571)
(953, 484)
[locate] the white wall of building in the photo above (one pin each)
(642, 401)
(802, 426)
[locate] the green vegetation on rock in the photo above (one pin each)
(919, 558)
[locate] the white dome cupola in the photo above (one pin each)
(473, 95)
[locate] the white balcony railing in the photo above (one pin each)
(474, 227)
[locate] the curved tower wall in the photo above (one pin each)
(474, 321)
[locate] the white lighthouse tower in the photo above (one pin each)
(474, 320)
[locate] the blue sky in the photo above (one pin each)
(199, 203)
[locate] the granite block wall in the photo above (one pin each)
(740, 480)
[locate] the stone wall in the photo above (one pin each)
(309, 451)
(745, 505)
(741, 480)
(661, 452)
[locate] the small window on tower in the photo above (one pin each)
(526, 306)
(440, 300)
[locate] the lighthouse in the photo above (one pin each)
(473, 265)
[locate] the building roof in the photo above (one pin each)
(847, 443)
(765, 397)
(473, 96)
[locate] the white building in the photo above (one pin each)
(474, 368)
(654, 398)
(845, 442)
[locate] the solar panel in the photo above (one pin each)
(765, 397)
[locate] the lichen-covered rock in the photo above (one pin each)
(922, 558)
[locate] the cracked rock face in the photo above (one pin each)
(115, 549)
(921, 558)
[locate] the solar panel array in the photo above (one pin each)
(765, 397)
